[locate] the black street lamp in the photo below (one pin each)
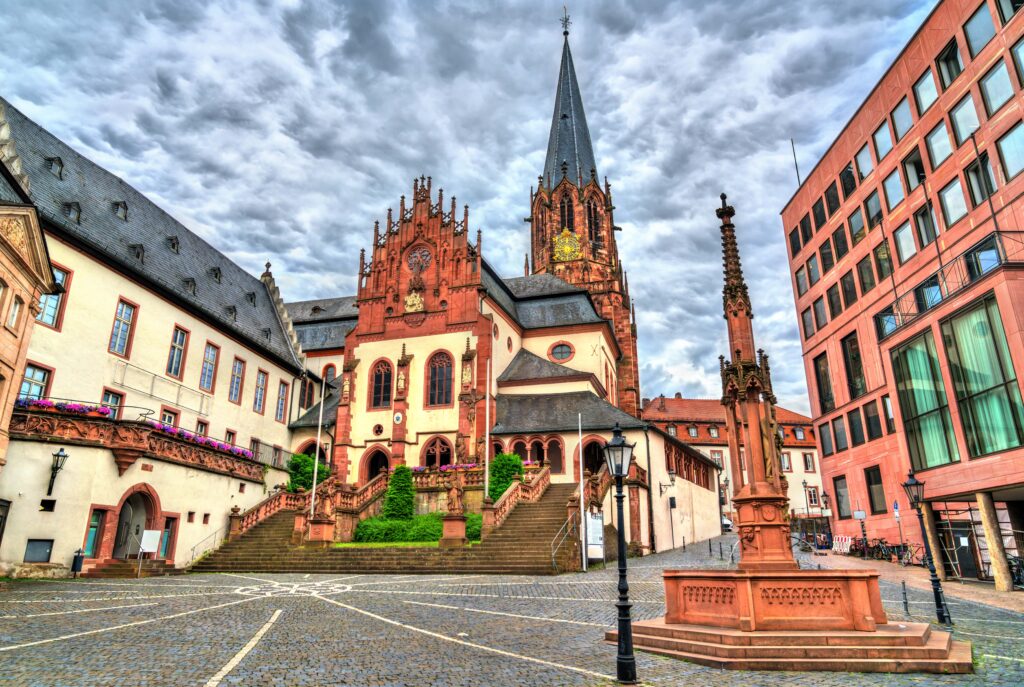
(618, 453)
(807, 506)
(60, 457)
(915, 494)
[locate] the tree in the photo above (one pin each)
(300, 471)
(504, 469)
(399, 498)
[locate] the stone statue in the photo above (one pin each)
(454, 486)
(401, 380)
(346, 387)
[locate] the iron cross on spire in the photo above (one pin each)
(565, 21)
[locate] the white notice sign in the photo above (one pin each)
(595, 536)
(150, 541)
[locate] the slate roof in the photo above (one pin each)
(322, 309)
(312, 415)
(175, 261)
(540, 300)
(531, 413)
(569, 140)
(7, 192)
(683, 410)
(527, 365)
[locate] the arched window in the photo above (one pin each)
(554, 456)
(568, 221)
(593, 223)
(519, 448)
(380, 396)
(330, 372)
(439, 382)
(438, 452)
(593, 457)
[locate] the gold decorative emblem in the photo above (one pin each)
(567, 246)
(414, 302)
(13, 230)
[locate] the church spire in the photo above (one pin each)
(735, 297)
(570, 153)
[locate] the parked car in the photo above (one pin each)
(726, 524)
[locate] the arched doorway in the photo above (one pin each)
(593, 457)
(537, 453)
(136, 512)
(376, 463)
(437, 452)
(519, 448)
(555, 456)
(309, 448)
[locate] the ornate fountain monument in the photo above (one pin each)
(768, 614)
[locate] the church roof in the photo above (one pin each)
(527, 365)
(540, 300)
(312, 415)
(682, 410)
(105, 214)
(321, 309)
(531, 413)
(569, 140)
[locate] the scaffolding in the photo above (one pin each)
(962, 538)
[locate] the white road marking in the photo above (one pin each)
(306, 576)
(335, 579)
(247, 577)
(496, 596)
(454, 640)
(978, 634)
(115, 598)
(121, 627)
(237, 658)
(437, 579)
(510, 615)
(82, 610)
(1005, 658)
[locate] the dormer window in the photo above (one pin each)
(671, 430)
(172, 243)
(232, 312)
(692, 430)
(251, 297)
(120, 208)
(714, 431)
(317, 310)
(215, 273)
(73, 211)
(190, 285)
(799, 433)
(139, 251)
(56, 166)
(266, 333)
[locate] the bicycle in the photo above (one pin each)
(883, 551)
(911, 555)
(1016, 570)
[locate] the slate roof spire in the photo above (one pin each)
(569, 140)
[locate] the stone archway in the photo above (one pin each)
(593, 457)
(137, 513)
(376, 463)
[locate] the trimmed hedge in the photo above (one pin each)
(419, 528)
(399, 499)
(300, 472)
(504, 469)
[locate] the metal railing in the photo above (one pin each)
(128, 376)
(207, 543)
(569, 529)
(995, 250)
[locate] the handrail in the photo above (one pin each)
(222, 531)
(568, 528)
(521, 491)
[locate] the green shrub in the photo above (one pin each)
(504, 469)
(399, 498)
(300, 472)
(419, 528)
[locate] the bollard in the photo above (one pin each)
(721, 556)
(906, 604)
(709, 547)
(819, 566)
(684, 544)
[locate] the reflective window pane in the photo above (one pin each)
(883, 140)
(938, 144)
(893, 190)
(925, 92)
(954, 205)
(904, 239)
(979, 30)
(965, 119)
(1011, 151)
(864, 164)
(901, 119)
(996, 88)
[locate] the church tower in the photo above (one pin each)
(572, 228)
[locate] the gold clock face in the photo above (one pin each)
(567, 246)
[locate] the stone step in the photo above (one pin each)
(890, 634)
(959, 661)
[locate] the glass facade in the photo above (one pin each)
(984, 381)
(923, 405)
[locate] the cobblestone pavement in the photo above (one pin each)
(375, 631)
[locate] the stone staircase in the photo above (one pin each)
(117, 567)
(520, 546)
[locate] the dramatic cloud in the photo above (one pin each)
(281, 130)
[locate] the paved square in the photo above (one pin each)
(367, 630)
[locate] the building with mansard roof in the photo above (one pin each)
(198, 380)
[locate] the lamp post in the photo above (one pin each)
(60, 456)
(915, 494)
(814, 523)
(617, 453)
(723, 501)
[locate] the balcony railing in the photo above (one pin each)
(128, 376)
(996, 249)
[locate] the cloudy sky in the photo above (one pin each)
(282, 129)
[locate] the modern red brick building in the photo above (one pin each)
(906, 248)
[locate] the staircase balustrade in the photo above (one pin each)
(496, 513)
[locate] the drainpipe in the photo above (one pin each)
(650, 491)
